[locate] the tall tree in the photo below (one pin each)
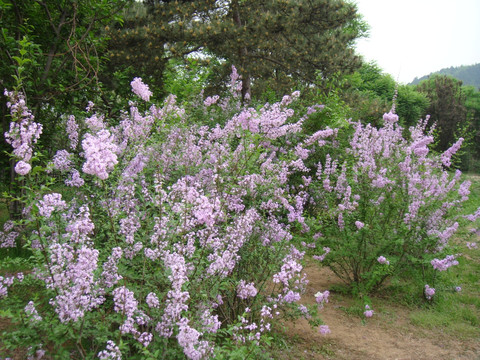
(447, 107)
(271, 42)
(281, 40)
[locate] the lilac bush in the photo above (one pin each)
(385, 206)
(167, 238)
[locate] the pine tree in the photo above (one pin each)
(271, 42)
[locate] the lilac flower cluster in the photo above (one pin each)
(368, 312)
(23, 132)
(8, 236)
(32, 313)
(245, 290)
(75, 180)
(140, 89)
(7, 281)
(72, 131)
(472, 245)
(322, 298)
(429, 292)
(100, 153)
(447, 155)
(50, 203)
(110, 275)
(383, 260)
(324, 329)
(444, 264)
(71, 274)
(62, 160)
(112, 352)
(211, 100)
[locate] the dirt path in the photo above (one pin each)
(388, 335)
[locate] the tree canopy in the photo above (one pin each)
(271, 42)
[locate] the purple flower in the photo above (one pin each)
(23, 132)
(72, 275)
(321, 298)
(72, 131)
(458, 289)
(444, 264)
(50, 203)
(429, 292)
(304, 310)
(368, 312)
(359, 224)
(8, 236)
(324, 329)
(22, 168)
(100, 152)
(390, 118)
(74, 179)
(189, 339)
(62, 160)
(140, 89)
(112, 352)
(125, 302)
(245, 291)
(152, 300)
(341, 223)
(447, 155)
(145, 338)
(32, 312)
(211, 100)
(383, 260)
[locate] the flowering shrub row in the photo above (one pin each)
(160, 237)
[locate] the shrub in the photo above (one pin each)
(158, 237)
(384, 206)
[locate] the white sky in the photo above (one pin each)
(411, 38)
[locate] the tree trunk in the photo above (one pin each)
(242, 54)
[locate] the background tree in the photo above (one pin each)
(369, 93)
(273, 43)
(471, 159)
(447, 108)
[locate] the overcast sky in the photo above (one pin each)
(411, 38)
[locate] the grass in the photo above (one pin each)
(454, 313)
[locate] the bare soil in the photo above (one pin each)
(388, 335)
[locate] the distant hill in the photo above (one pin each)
(468, 74)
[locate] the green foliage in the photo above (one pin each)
(187, 78)
(369, 93)
(254, 36)
(50, 49)
(446, 109)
